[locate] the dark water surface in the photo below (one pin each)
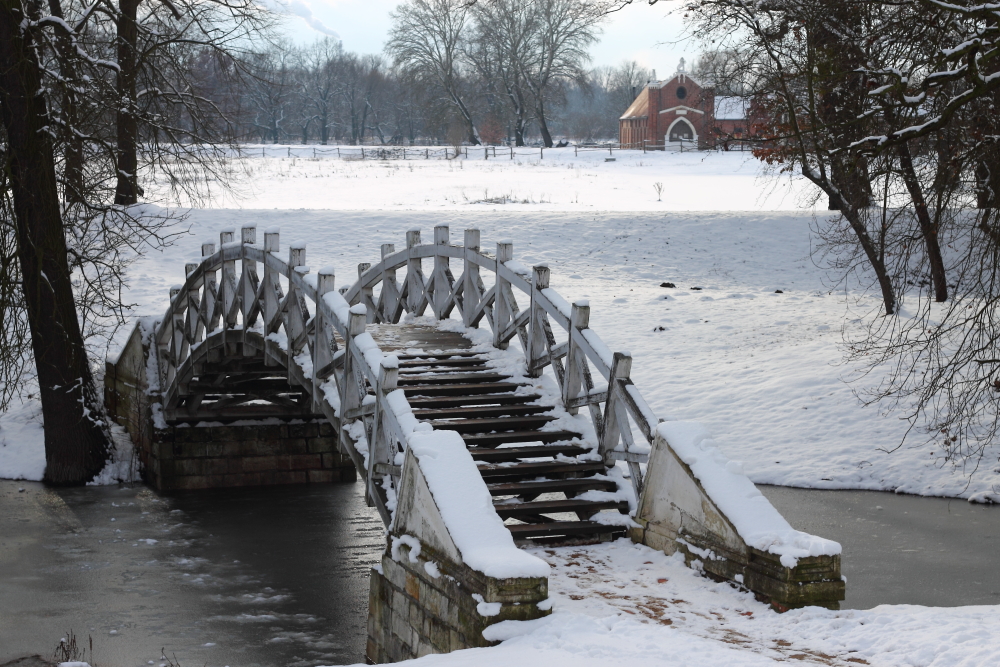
(901, 549)
(268, 576)
(279, 576)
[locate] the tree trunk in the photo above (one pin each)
(127, 191)
(543, 126)
(76, 442)
(928, 229)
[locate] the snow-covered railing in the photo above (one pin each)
(298, 330)
(611, 406)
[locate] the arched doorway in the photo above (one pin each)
(681, 130)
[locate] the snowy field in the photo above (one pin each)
(760, 368)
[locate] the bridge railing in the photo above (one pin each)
(612, 408)
(249, 311)
(318, 335)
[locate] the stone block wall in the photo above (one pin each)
(211, 457)
(412, 613)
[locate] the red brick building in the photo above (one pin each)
(678, 111)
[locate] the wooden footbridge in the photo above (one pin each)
(251, 334)
(481, 412)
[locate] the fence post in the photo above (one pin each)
(579, 320)
(621, 366)
(541, 152)
(365, 294)
(576, 152)
(511, 152)
(338, 151)
(427, 154)
(501, 310)
(536, 334)
(470, 275)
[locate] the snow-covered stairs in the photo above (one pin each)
(534, 475)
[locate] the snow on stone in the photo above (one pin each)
(467, 507)
(753, 516)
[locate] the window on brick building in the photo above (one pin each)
(681, 92)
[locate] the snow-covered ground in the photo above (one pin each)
(626, 604)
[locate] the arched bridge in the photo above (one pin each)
(482, 413)
(253, 333)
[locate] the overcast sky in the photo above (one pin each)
(639, 31)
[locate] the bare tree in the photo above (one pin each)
(427, 39)
(564, 31)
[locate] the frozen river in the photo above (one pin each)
(279, 576)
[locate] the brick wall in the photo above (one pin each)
(412, 613)
(209, 457)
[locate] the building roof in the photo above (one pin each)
(639, 107)
(730, 108)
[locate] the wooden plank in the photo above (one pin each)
(451, 378)
(509, 510)
(551, 486)
(466, 401)
(481, 411)
(515, 453)
(483, 439)
(540, 468)
(525, 530)
(459, 389)
(432, 362)
(484, 425)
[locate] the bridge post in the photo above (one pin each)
(381, 449)
(296, 311)
(416, 296)
(323, 343)
(579, 320)
(501, 309)
(271, 294)
(209, 292)
(621, 367)
(350, 384)
(249, 283)
(389, 304)
(470, 291)
(227, 284)
(536, 334)
(367, 293)
(440, 283)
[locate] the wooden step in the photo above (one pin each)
(467, 401)
(458, 389)
(513, 510)
(481, 412)
(516, 453)
(518, 423)
(438, 355)
(416, 372)
(494, 439)
(450, 378)
(465, 361)
(522, 531)
(551, 486)
(533, 469)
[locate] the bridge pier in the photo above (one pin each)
(211, 455)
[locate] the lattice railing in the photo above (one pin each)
(277, 309)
